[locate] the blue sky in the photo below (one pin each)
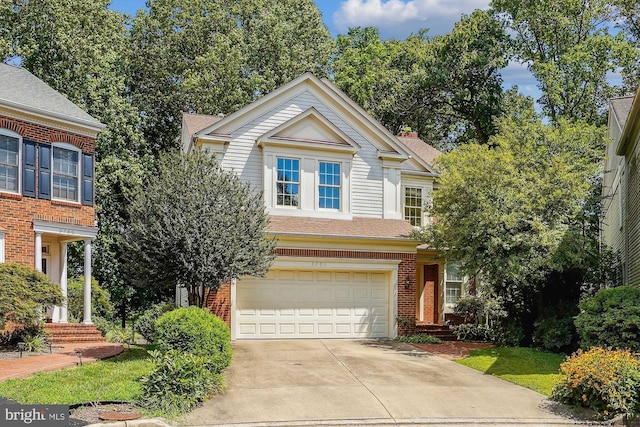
(395, 19)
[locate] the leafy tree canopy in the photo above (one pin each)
(24, 293)
(453, 80)
(194, 225)
(504, 211)
(217, 56)
(567, 46)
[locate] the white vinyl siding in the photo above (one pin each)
(245, 158)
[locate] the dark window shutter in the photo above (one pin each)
(87, 179)
(28, 168)
(44, 172)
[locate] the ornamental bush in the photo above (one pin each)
(178, 382)
(197, 331)
(611, 318)
(604, 380)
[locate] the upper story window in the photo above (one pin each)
(329, 185)
(288, 182)
(66, 174)
(413, 205)
(9, 161)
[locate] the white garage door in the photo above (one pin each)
(313, 304)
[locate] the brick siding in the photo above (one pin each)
(17, 212)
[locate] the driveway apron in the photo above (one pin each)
(370, 381)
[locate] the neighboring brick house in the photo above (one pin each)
(343, 195)
(621, 188)
(47, 148)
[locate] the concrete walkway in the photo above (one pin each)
(66, 358)
(337, 382)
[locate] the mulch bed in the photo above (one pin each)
(453, 349)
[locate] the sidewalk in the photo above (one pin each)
(66, 358)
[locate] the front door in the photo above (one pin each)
(431, 293)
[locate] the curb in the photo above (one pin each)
(153, 422)
(383, 422)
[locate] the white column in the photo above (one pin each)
(38, 251)
(87, 281)
(63, 316)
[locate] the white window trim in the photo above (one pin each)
(1, 247)
(426, 195)
(462, 280)
(317, 185)
(299, 183)
(69, 147)
(12, 134)
(309, 182)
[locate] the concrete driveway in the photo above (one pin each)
(337, 382)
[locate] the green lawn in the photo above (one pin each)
(111, 379)
(534, 369)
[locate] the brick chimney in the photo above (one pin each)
(408, 134)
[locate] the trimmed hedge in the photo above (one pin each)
(611, 318)
(197, 331)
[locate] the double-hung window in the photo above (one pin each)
(453, 284)
(9, 162)
(413, 205)
(288, 182)
(66, 173)
(329, 185)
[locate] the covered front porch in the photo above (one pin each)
(51, 250)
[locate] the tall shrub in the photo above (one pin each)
(611, 318)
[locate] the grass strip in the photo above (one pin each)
(526, 367)
(110, 379)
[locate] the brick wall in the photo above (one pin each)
(219, 303)
(47, 135)
(17, 212)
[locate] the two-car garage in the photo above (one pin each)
(317, 302)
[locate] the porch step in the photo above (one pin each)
(72, 332)
(439, 331)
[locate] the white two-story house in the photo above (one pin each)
(343, 194)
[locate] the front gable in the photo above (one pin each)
(310, 130)
(302, 135)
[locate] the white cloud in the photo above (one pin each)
(399, 18)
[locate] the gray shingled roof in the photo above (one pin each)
(621, 108)
(21, 89)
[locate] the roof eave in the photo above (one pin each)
(632, 126)
(94, 126)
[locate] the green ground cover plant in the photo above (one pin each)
(527, 367)
(111, 379)
(420, 339)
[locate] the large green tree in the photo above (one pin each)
(505, 210)
(216, 56)
(195, 226)
(568, 47)
(80, 48)
(447, 87)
